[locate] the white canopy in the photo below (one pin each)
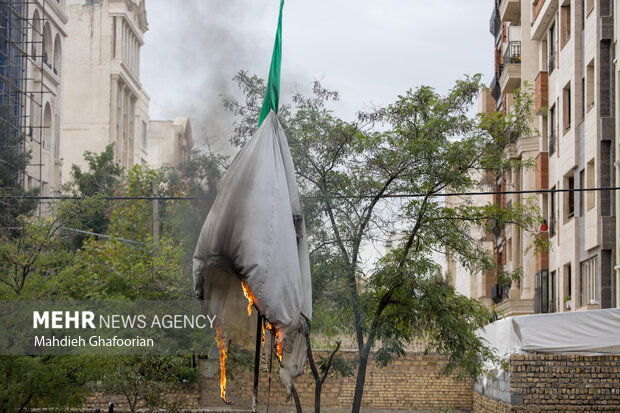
(595, 332)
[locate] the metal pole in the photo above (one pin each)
(155, 212)
(257, 361)
(272, 345)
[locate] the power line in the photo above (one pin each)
(209, 198)
(127, 242)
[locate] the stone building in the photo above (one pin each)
(104, 100)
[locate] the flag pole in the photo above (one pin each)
(257, 361)
(271, 102)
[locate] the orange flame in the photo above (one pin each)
(248, 294)
(220, 346)
(269, 326)
(278, 346)
(263, 343)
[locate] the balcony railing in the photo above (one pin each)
(512, 54)
(496, 91)
(495, 24)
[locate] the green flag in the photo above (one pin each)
(272, 94)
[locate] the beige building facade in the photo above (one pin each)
(169, 142)
(45, 74)
(564, 49)
(104, 100)
(31, 87)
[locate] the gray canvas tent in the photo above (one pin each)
(255, 233)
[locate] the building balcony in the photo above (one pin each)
(547, 12)
(510, 11)
(495, 24)
(496, 91)
(510, 78)
(512, 54)
(541, 89)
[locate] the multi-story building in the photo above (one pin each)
(616, 148)
(31, 87)
(479, 285)
(169, 142)
(563, 48)
(104, 100)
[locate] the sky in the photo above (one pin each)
(370, 51)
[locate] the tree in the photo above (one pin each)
(131, 264)
(386, 173)
(14, 159)
(100, 180)
(39, 261)
(31, 259)
(144, 379)
(44, 381)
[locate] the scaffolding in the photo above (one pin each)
(23, 53)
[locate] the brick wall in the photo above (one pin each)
(559, 383)
(410, 383)
(484, 404)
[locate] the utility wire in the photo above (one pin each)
(127, 242)
(198, 198)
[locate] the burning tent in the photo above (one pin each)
(253, 245)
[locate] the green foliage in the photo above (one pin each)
(13, 162)
(40, 260)
(100, 180)
(132, 265)
(45, 381)
(31, 260)
(359, 179)
(145, 380)
(102, 176)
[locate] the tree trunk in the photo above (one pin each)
(359, 383)
(296, 398)
(317, 397)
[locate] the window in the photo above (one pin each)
(545, 208)
(590, 183)
(57, 56)
(590, 85)
(566, 106)
(552, 287)
(569, 197)
(47, 45)
(582, 109)
(552, 213)
(567, 286)
(545, 292)
(552, 48)
(589, 282)
(565, 20)
(582, 184)
(47, 126)
(552, 130)
(143, 134)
